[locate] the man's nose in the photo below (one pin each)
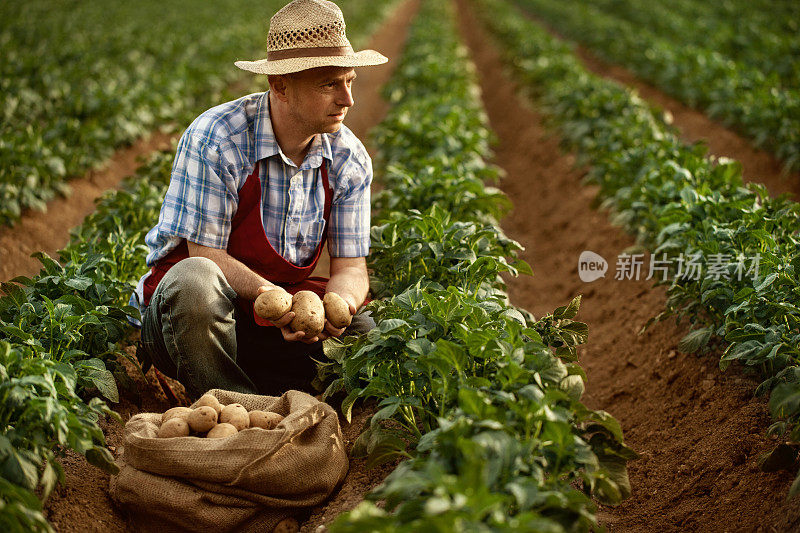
(346, 97)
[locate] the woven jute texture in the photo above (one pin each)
(248, 482)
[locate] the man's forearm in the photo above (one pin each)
(243, 280)
(350, 280)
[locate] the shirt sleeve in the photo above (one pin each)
(348, 235)
(201, 197)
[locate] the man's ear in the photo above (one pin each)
(278, 86)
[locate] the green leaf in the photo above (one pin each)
(568, 311)
(347, 403)
(784, 402)
(94, 371)
(695, 340)
(20, 469)
(102, 458)
(617, 487)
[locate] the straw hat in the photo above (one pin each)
(308, 34)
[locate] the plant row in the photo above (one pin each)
(482, 399)
(738, 94)
(62, 332)
(748, 37)
(730, 253)
(78, 80)
(779, 18)
(60, 340)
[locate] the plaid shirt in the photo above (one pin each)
(219, 151)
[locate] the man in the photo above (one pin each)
(258, 186)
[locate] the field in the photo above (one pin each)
(519, 146)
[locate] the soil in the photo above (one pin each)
(82, 503)
(699, 432)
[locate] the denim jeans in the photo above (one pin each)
(192, 332)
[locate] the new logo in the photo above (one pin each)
(591, 266)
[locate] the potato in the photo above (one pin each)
(179, 412)
(309, 313)
(287, 525)
(202, 419)
(211, 401)
(236, 415)
(273, 304)
(174, 427)
(222, 430)
(337, 311)
(264, 419)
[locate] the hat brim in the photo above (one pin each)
(364, 58)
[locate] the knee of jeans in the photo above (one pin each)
(198, 286)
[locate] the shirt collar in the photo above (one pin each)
(267, 145)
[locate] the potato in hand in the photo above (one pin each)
(273, 304)
(337, 311)
(309, 314)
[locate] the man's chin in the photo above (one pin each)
(332, 128)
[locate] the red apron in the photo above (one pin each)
(249, 244)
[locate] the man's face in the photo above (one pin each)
(319, 98)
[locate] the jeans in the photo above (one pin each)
(193, 332)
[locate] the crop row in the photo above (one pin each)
(60, 335)
(62, 332)
(747, 37)
(738, 94)
(778, 18)
(742, 291)
(78, 80)
(482, 399)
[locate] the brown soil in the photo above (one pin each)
(49, 231)
(82, 503)
(699, 432)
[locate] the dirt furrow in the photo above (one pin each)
(699, 431)
(82, 504)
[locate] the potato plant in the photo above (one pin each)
(482, 399)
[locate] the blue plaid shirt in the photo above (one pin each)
(219, 151)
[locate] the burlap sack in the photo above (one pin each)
(248, 482)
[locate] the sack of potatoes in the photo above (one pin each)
(211, 419)
(229, 462)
